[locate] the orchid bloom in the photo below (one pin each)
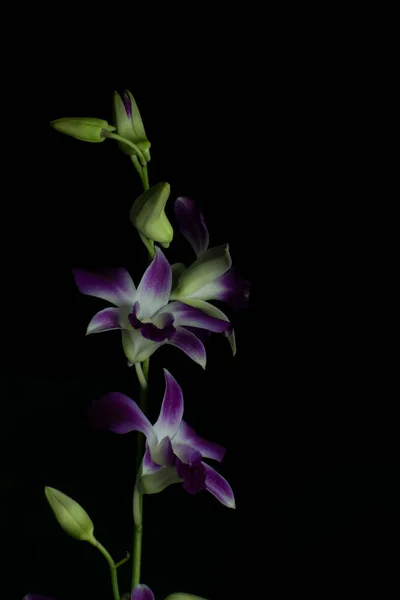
(211, 276)
(174, 451)
(144, 315)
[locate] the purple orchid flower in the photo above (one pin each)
(142, 592)
(144, 315)
(174, 451)
(211, 276)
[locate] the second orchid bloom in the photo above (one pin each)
(174, 451)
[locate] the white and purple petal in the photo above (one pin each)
(187, 315)
(171, 411)
(201, 334)
(187, 435)
(190, 344)
(142, 592)
(155, 286)
(186, 453)
(219, 487)
(153, 483)
(119, 413)
(213, 311)
(148, 464)
(210, 265)
(191, 224)
(114, 285)
(163, 454)
(229, 287)
(105, 320)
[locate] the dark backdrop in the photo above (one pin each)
(275, 153)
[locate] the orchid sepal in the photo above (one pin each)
(209, 266)
(216, 313)
(129, 124)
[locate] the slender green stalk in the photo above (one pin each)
(138, 535)
(145, 178)
(138, 167)
(119, 138)
(137, 496)
(113, 569)
(142, 170)
(146, 365)
(123, 561)
(143, 377)
(149, 245)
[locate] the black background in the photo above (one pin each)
(273, 144)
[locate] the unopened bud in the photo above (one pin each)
(85, 129)
(148, 214)
(71, 516)
(129, 124)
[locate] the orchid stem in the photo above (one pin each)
(149, 245)
(138, 535)
(143, 375)
(113, 569)
(146, 365)
(123, 561)
(137, 166)
(119, 138)
(145, 178)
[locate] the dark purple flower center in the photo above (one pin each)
(127, 104)
(193, 475)
(149, 330)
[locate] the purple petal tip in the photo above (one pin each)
(127, 104)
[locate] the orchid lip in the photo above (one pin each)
(150, 330)
(193, 476)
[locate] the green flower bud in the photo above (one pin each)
(83, 128)
(129, 124)
(70, 515)
(148, 214)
